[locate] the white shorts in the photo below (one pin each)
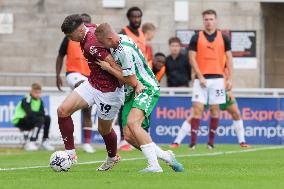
(108, 103)
(74, 77)
(213, 93)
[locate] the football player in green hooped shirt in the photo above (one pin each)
(139, 101)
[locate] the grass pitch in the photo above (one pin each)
(226, 167)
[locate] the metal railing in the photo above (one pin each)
(165, 91)
(23, 74)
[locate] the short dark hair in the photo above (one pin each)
(160, 54)
(174, 40)
(71, 23)
(86, 16)
(209, 11)
(130, 10)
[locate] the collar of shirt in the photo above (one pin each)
(115, 49)
(87, 30)
(178, 56)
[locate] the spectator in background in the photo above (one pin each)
(77, 71)
(30, 116)
(178, 69)
(133, 30)
(159, 67)
(149, 31)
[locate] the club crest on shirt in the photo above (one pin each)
(93, 50)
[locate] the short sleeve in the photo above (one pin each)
(227, 43)
(193, 43)
(127, 60)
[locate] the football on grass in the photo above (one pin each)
(60, 161)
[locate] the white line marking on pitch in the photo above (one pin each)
(142, 158)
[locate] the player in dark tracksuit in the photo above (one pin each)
(30, 116)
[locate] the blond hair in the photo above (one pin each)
(148, 27)
(36, 86)
(103, 30)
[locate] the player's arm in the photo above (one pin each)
(195, 67)
(112, 63)
(106, 65)
(193, 76)
(59, 62)
(229, 69)
(109, 65)
(229, 62)
(130, 80)
(192, 59)
(126, 73)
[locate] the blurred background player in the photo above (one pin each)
(149, 31)
(77, 71)
(30, 116)
(207, 50)
(231, 106)
(178, 69)
(133, 30)
(101, 89)
(159, 67)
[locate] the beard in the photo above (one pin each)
(135, 25)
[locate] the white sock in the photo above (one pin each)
(150, 153)
(238, 126)
(184, 130)
(71, 152)
(163, 155)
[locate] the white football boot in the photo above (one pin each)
(47, 146)
(88, 148)
(109, 163)
(30, 146)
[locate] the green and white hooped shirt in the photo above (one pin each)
(132, 61)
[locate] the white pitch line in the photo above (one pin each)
(142, 158)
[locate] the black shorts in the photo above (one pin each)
(29, 122)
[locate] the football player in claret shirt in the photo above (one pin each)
(102, 89)
(77, 71)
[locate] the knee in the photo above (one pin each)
(38, 121)
(197, 111)
(132, 123)
(236, 115)
(127, 134)
(62, 112)
(214, 112)
(104, 131)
